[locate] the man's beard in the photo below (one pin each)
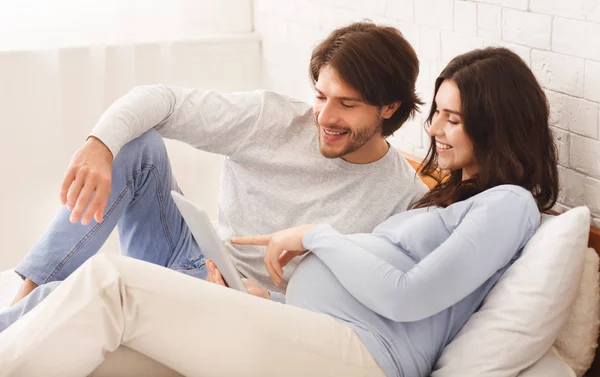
(356, 139)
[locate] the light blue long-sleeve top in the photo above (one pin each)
(409, 286)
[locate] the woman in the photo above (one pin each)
(377, 304)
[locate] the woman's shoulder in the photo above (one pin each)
(508, 199)
(496, 204)
(507, 191)
(506, 194)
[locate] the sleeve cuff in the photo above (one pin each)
(109, 141)
(277, 297)
(309, 236)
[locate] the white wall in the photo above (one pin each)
(27, 24)
(50, 99)
(557, 38)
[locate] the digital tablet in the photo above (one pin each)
(210, 244)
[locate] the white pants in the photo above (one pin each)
(189, 325)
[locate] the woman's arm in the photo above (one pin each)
(488, 236)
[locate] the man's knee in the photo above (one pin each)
(150, 144)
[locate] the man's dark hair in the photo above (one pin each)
(377, 62)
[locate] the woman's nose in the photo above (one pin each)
(434, 128)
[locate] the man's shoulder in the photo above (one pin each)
(282, 122)
(399, 165)
(281, 112)
(283, 102)
(403, 177)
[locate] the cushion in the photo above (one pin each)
(522, 315)
(550, 365)
(578, 339)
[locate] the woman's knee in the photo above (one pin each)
(103, 264)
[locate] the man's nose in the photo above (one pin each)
(328, 115)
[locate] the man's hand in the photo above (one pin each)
(88, 180)
(214, 276)
(282, 247)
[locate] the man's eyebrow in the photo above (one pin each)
(343, 98)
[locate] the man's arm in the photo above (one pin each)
(208, 120)
(218, 123)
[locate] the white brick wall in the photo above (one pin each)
(435, 13)
(558, 39)
(561, 8)
(576, 38)
(465, 17)
(592, 81)
(562, 73)
(592, 10)
(489, 21)
(526, 28)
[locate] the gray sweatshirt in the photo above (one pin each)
(274, 176)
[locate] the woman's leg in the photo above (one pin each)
(150, 225)
(191, 326)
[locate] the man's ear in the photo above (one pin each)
(389, 110)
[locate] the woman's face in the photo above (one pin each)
(453, 146)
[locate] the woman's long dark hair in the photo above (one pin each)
(505, 115)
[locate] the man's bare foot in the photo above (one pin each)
(25, 289)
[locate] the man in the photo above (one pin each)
(287, 164)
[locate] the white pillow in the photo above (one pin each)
(578, 339)
(524, 312)
(550, 365)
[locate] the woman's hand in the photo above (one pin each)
(282, 247)
(214, 276)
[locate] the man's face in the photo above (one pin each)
(348, 127)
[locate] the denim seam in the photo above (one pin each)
(161, 205)
(89, 234)
(94, 230)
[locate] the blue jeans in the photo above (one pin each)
(149, 224)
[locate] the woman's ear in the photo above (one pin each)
(389, 110)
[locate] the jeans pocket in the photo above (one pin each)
(192, 267)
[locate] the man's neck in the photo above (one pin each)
(373, 150)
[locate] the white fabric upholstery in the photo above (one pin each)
(578, 339)
(550, 365)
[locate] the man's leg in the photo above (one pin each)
(194, 327)
(150, 226)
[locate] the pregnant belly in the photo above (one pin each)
(313, 286)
